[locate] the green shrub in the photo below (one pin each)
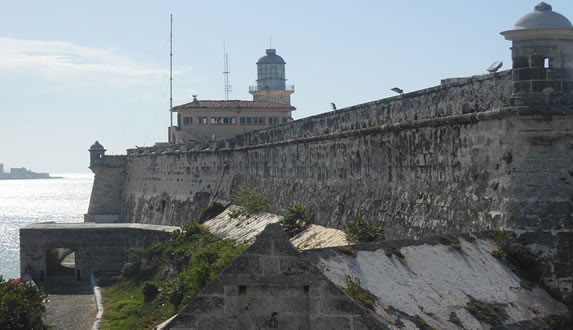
(150, 291)
(360, 230)
(250, 202)
(296, 219)
(493, 314)
(498, 253)
(354, 290)
(21, 305)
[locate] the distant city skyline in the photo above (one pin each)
(76, 72)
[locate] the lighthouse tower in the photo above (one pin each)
(271, 82)
(542, 53)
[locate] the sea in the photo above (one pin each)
(23, 202)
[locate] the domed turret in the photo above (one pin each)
(97, 153)
(542, 54)
(543, 17)
(271, 82)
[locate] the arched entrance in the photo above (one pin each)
(61, 262)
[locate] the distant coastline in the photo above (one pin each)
(23, 173)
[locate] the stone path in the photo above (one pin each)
(70, 304)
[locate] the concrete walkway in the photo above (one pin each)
(70, 304)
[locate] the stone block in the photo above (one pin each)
(245, 264)
(219, 323)
(295, 266)
(214, 287)
(271, 266)
(522, 87)
(284, 248)
(531, 74)
(559, 74)
(334, 322)
(546, 86)
(261, 246)
(206, 305)
(368, 322)
(520, 62)
(341, 305)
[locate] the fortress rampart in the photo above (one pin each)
(471, 154)
(432, 171)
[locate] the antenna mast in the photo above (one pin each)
(171, 137)
(226, 72)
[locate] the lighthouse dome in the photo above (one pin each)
(271, 58)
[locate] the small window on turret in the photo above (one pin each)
(546, 63)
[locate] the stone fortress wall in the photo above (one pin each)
(345, 148)
(469, 155)
(420, 164)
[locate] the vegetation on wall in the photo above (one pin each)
(520, 259)
(21, 305)
(296, 219)
(250, 202)
(354, 290)
(361, 230)
(158, 280)
(493, 314)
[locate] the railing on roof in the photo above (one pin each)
(256, 88)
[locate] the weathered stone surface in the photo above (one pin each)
(333, 322)
(294, 300)
(433, 280)
(97, 247)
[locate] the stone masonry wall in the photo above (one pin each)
(406, 136)
(108, 185)
(271, 286)
(97, 247)
(449, 159)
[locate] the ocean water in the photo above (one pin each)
(23, 202)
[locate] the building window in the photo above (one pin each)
(223, 120)
(285, 120)
(187, 120)
(252, 120)
(202, 120)
(274, 120)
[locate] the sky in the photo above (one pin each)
(73, 72)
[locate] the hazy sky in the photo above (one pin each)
(74, 72)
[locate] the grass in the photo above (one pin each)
(125, 307)
(492, 314)
(160, 279)
(354, 290)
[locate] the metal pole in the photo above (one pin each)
(171, 136)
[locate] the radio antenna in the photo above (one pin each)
(226, 72)
(171, 137)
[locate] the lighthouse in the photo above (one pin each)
(271, 82)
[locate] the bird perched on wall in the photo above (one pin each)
(397, 90)
(333, 105)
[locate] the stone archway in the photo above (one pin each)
(61, 261)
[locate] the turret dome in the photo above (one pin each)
(543, 17)
(271, 58)
(96, 147)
